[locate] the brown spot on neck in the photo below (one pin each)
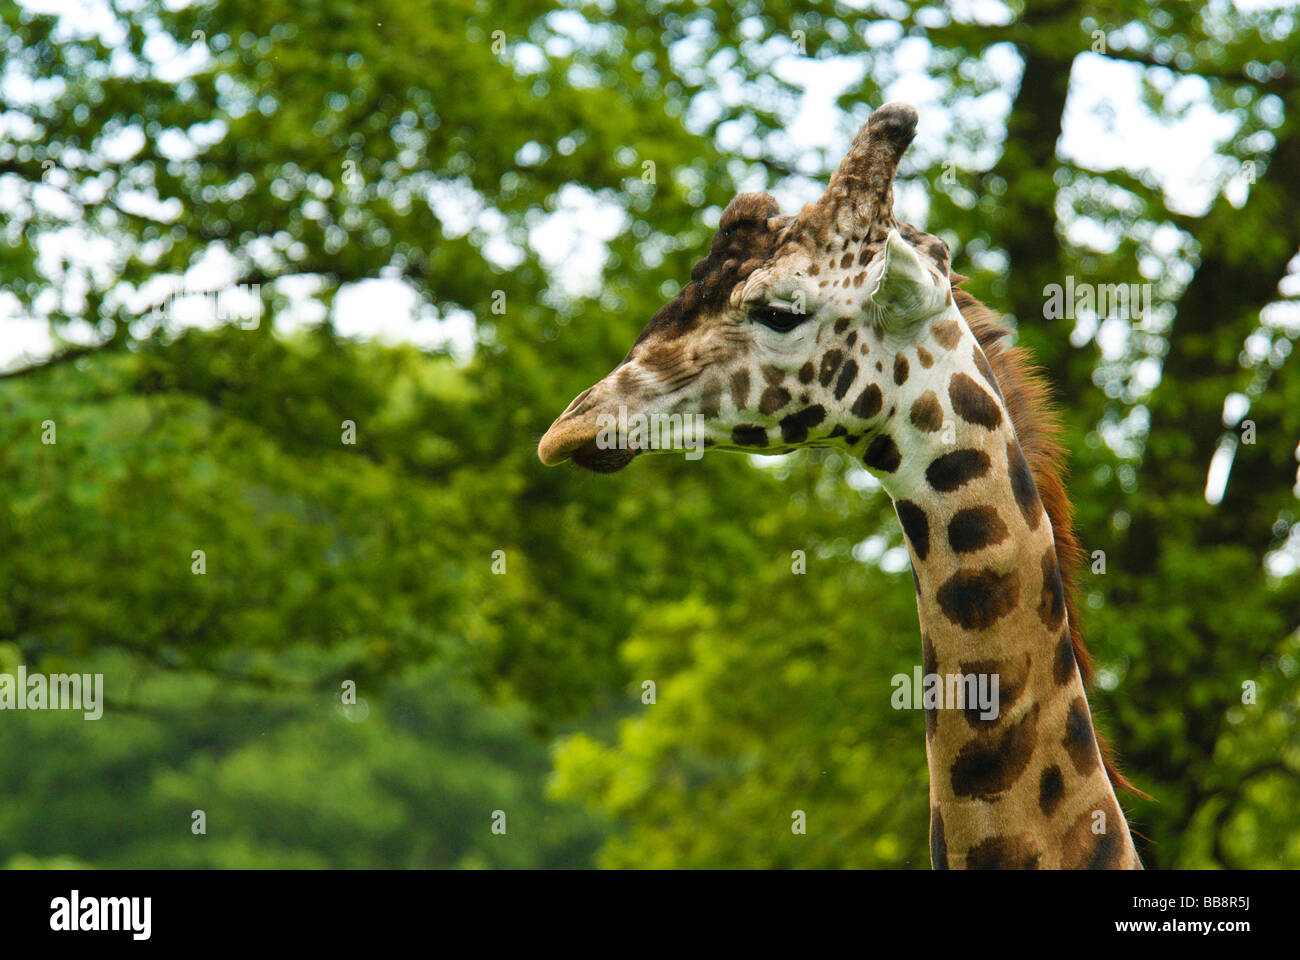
(946, 333)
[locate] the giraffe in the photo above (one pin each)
(840, 326)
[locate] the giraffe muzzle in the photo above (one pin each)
(566, 435)
(575, 439)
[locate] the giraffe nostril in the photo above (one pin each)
(577, 402)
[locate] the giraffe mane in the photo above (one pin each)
(1037, 422)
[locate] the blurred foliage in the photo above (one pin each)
(426, 142)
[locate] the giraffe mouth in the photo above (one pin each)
(591, 457)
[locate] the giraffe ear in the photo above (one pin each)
(907, 291)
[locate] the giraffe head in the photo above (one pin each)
(794, 330)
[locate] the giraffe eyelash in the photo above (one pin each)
(776, 317)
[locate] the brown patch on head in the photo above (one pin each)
(662, 355)
(629, 386)
(868, 403)
(794, 428)
(740, 389)
(711, 402)
(831, 360)
(773, 399)
(848, 373)
(742, 243)
(883, 454)
(925, 356)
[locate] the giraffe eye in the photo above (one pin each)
(776, 318)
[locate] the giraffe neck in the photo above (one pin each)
(1027, 787)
